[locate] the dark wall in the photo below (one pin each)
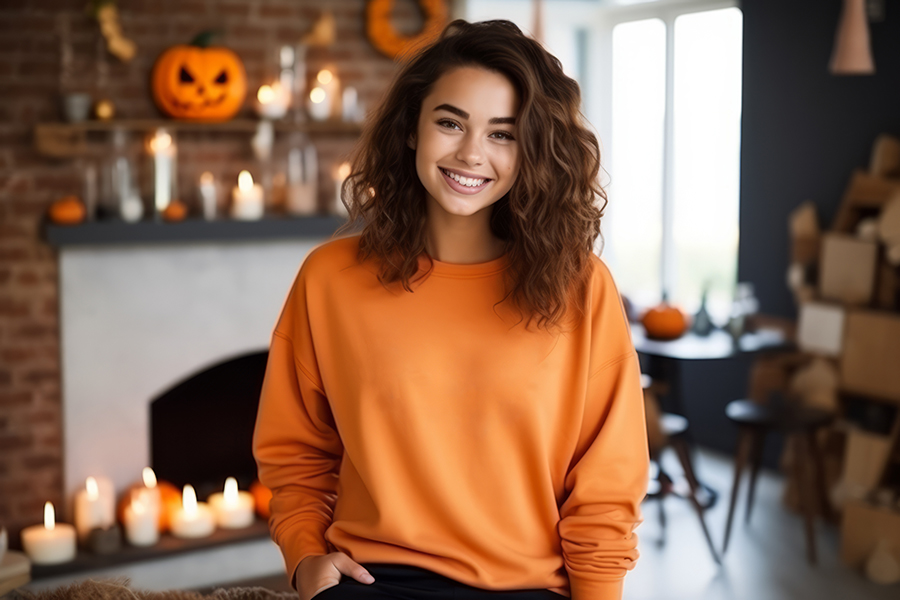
(804, 130)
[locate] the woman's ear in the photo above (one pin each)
(411, 141)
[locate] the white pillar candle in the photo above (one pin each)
(50, 543)
(194, 519)
(247, 198)
(208, 195)
(233, 508)
(141, 520)
(95, 506)
(162, 148)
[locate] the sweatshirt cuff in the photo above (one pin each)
(300, 548)
(586, 589)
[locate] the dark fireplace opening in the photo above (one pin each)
(201, 429)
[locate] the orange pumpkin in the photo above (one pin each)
(68, 210)
(175, 211)
(262, 495)
(665, 322)
(199, 82)
(169, 501)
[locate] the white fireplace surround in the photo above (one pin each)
(136, 319)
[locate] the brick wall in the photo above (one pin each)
(30, 399)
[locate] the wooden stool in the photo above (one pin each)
(799, 424)
(668, 429)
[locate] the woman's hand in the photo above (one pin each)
(318, 573)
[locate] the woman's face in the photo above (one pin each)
(467, 156)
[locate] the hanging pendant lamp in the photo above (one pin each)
(852, 53)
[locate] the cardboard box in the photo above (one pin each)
(821, 328)
(862, 526)
(847, 269)
(870, 362)
(865, 458)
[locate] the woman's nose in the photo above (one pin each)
(470, 150)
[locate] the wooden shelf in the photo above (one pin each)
(168, 545)
(67, 140)
(190, 230)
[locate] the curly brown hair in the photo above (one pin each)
(549, 219)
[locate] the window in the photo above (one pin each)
(668, 105)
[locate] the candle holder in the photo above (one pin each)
(104, 540)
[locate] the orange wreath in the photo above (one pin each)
(386, 39)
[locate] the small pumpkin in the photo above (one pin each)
(68, 210)
(261, 496)
(169, 501)
(665, 321)
(175, 211)
(199, 82)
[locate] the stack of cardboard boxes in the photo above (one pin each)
(846, 282)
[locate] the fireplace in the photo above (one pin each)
(201, 430)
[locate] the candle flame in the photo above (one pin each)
(344, 170)
(159, 142)
(93, 492)
(245, 181)
(149, 477)
(189, 500)
(265, 94)
(207, 178)
(325, 76)
(317, 95)
(231, 491)
(49, 516)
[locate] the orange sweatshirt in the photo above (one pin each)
(430, 429)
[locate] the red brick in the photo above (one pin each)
(42, 461)
(14, 441)
(18, 355)
(13, 308)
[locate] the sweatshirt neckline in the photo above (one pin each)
(447, 269)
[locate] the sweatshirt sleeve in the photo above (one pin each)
(607, 479)
(295, 441)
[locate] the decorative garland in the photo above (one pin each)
(388, 41)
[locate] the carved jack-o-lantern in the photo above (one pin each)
(199, 82)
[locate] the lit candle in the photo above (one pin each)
(194, 519)
(162, 148)
(272, 101)
(141, 521)
(233, 508)
(247, 198)
(95, 506)
(340, 174)
(324, 98)
(50, 543)
(208, 195)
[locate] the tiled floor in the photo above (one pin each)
(766, 560)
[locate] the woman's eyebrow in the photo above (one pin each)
(463, 114)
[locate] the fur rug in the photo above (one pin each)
(117, 589)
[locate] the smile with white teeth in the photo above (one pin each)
(466, 181)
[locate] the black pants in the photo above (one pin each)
(404, 582)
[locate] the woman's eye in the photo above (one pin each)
(448, 124)
(504, 135)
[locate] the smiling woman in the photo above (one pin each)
(424, 442)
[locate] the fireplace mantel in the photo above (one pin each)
(191, 230)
